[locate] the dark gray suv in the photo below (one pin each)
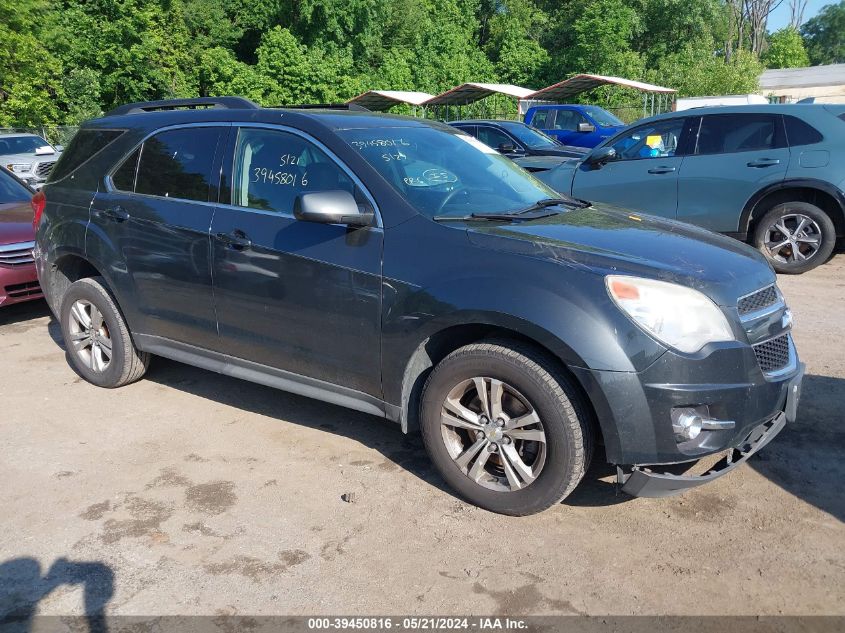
(400, 267)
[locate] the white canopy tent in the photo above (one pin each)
(385, 99)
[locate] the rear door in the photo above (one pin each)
(644, 176)
(735, 155)
(156, 214)
(298, 296)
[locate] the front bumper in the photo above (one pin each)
(18, 283)
(644, 482)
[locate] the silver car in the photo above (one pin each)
(29, 157)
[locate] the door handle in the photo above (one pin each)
(661, 170)
(764, 162)
(116, 213)
(237, 239)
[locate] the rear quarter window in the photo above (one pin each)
(82, 146)
(799, 132)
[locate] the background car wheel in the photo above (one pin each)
(504, 428)
(795, 237)
(97, 340)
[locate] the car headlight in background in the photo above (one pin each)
(678, 316)
(19, 168)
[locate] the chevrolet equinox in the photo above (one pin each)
(400, 267)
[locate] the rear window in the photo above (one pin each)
(177, 163)
(124, 176)
(800, 133)
(728, 133)
(11, 190)
(83, 146)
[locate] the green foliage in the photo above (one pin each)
(786, 50)
(67, 60)
(824, 35)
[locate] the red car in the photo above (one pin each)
(18, 281)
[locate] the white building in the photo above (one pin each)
(826, 84)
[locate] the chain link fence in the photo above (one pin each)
(55, 134)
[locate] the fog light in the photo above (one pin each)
(687, 425)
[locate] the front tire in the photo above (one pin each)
(795, 237)
(505, 428)
(97, 340)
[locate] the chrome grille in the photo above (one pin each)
(44, 168)
(16, 254)
(773, 354)
(757, 300)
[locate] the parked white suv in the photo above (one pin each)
(29, 157)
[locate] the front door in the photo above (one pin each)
(299, 296)
(156, 214)
(735, 156)
(644, 175)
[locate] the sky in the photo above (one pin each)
(779, 18)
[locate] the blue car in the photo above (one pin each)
(578, 125)
(771, 175)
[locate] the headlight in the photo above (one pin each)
(678, 316)
(19, 168)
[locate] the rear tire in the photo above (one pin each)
(520, 474)
(795, 237)
(97, 340)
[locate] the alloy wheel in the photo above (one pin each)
(89, 336)
(493, 434)
(794, 237)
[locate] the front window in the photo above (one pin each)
(568, 120)
(530, 137)
(653, 140)
(22, 144)
(494, 138)
(445, 173)
(602, 117)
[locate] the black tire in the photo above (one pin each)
(565, 422)
(789, 264)
(126, 364)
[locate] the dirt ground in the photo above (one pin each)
(194, 493)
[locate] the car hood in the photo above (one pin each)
(541, 163)
(16, 223)
(8, 159)
(570, 151)
(607, 240)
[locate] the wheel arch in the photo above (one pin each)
(818, 192)
(66, 269)
(435, 347)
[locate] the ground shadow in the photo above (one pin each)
(22, 587)
(806, 458)
(26, 311)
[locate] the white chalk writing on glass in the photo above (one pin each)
(284, 178)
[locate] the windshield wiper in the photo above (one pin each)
(539, 212)
(553, 202)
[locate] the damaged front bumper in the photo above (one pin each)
(645, 481)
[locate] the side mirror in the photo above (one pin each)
(331, 207)
(586, 127)
(601, 156)
(506, 148)
(60, 148)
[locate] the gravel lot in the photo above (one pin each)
(194, 493)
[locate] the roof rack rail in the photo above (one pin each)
(227, 103)
(325, 106)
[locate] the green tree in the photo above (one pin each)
(824, 35)
(786, 50)
(30, 77)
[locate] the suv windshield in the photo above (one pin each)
(532, 138)
(21, 144)
(444, 172)
(602, 116)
